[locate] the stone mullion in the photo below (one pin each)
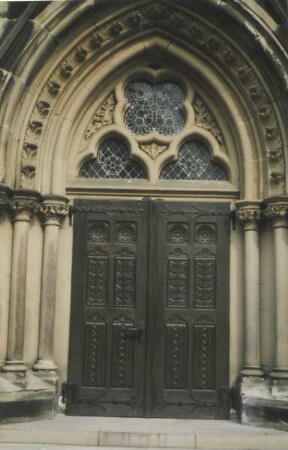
(23, 206)
(276, 210)
(249, 215)
(53, 210)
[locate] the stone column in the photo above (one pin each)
(5, 267)
(52, 210)
(23, 205)
(249, 215)
(276, 210)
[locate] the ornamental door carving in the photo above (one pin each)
(149, 318)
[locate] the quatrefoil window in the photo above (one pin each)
(154, 108)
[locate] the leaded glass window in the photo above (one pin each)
(112, 161)
(193, 163)
(154, 108)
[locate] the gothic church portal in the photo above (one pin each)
(144, 209)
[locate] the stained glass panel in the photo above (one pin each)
(154, 108)
(112, 161)
(193, 163)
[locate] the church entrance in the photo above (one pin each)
(149, 332)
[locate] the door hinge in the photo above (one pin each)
(64, 390)
(71, 212)
(233, 219)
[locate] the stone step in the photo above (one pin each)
(125, 433)
(69, 447)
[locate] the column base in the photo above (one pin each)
(252, 383)
(46, 370)
(45, 365)
(279, 379)
(14, 366)
(263, 399)
(15, 371)
(252, 372)
(36, 399)
(280, 374)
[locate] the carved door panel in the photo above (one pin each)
(188, 372)
(149, 320)
(107, 335)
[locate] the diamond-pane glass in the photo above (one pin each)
(112, 162)
(193, 163)
(154, 108)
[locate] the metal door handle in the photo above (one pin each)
(134, 332)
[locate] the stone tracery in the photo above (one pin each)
(112, 162)
(154, 108)
(193, 163)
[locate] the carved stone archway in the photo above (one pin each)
(91, 47)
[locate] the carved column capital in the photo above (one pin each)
(276, 210)
(249, 214)
(53, 210)
(24, 204)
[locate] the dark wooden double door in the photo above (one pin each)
(149, 329)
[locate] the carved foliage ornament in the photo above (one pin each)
(23, 208)
(205, 119)
(279, 211)
(176, 354)
(102, 117)
(153, 150)
(99, 231)
(249, 215)
(201, 36)
(253, 215)
(97, 278)
(53, 212)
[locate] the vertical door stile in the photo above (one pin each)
(152, 289)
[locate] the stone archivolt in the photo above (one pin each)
(4, 78)
(192, 29)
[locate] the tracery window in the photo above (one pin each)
(154, 108)
(112, 162)
(193, 163)
(150, 119)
